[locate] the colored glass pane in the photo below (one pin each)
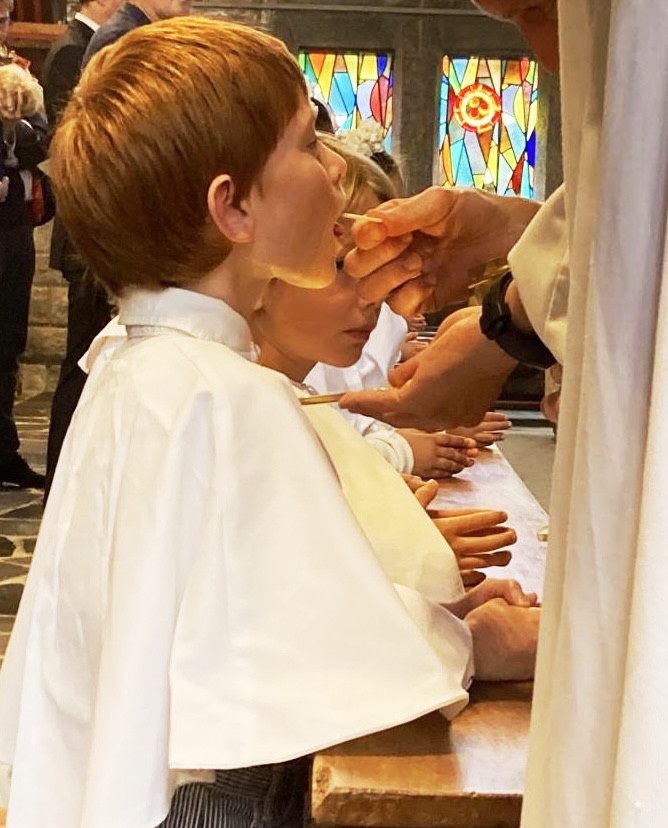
(356, 86)
(487, 125)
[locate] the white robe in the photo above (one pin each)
(200, 596)
(598, 756)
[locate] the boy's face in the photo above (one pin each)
(296, 204)
(297, 327)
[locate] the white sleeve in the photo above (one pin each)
(539, 262)
(393, 447)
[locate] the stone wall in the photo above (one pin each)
(418, 32)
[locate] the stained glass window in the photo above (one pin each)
(357, 86)
(487, 136)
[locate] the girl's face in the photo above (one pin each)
(295, 207)
(296, 327)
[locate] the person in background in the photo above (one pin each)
(89, 308)
(87, 303)
(131, 15)
(23, 147)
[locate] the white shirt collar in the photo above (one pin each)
(87, 21)
(189, 312)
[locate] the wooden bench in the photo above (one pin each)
(468, 773)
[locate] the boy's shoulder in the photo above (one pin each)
(183, 365)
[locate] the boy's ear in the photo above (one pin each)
(232, 221)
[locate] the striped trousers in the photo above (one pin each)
(266, 796)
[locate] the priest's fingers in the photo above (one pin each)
(411, 296)
(383, 404)
(383, 270)
(427, 211)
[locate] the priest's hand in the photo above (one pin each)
(449, 232)
(476, 536)
(452, 382)
(505, 639)
(439, 454)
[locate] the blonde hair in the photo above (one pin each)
(156, 117)
(361, 173)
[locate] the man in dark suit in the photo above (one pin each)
(88, 308)
(88, 305)
(131, 15)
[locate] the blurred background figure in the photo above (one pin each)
(22, 206)
(87, 303)
(89, 308)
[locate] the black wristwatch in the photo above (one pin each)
(496, 323)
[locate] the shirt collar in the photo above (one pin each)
(87, 21)
(191, 313)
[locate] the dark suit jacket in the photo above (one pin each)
(60, 74)
(124, 20)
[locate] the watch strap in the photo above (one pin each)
(496, 323)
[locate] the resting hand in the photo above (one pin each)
(506, 588)
(452, 231)
(439, 454)
(505, 639)
(424, 490)
(488, 431)
(453, 382)
(475, 536)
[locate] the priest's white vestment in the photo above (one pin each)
(598, 756)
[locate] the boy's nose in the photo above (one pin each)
(335, 165)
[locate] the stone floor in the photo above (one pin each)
(529, 447)
(20, 513)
